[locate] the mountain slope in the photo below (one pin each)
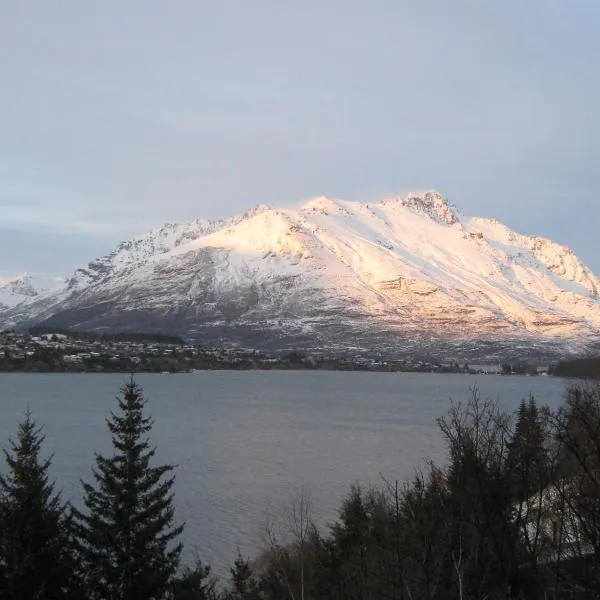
(403, 274)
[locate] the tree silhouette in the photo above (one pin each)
(35, 552)
(127, 539)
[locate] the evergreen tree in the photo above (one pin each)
(127, 539)
(35, 557)
(361, 540)
(527, 454)
(197, 583)
(243, 580)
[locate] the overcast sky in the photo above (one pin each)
(116, 116)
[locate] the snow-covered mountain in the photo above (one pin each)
(26, 288)
(403, 274)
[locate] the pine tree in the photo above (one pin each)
(35, 557)
(243, 580)
(127, 539)
(527, 455)
(196, 583)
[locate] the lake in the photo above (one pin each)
(246, 443)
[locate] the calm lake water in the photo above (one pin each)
(246, 442)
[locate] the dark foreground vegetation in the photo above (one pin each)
(588, 368)
(515, 513)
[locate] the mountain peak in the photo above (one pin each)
(324, 206)
(430, 203)
(22, 285)
(255, 210)
(27, 287)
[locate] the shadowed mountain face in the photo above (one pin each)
(405, 275)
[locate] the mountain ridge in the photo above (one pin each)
(26, 287)
(404, 273)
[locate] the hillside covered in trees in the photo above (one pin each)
(513, 513)
(583, 368)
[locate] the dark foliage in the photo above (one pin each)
(196, 583)
(243, 581)
(482, 527)
(528, 458)
(92, 336)
(126, 538)
(581, 368)
(576, 428)
(36, 558)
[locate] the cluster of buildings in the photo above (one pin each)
(58, 351)
(93, 352)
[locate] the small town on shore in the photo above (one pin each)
(90, 352)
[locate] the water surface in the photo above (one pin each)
(246, 442)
